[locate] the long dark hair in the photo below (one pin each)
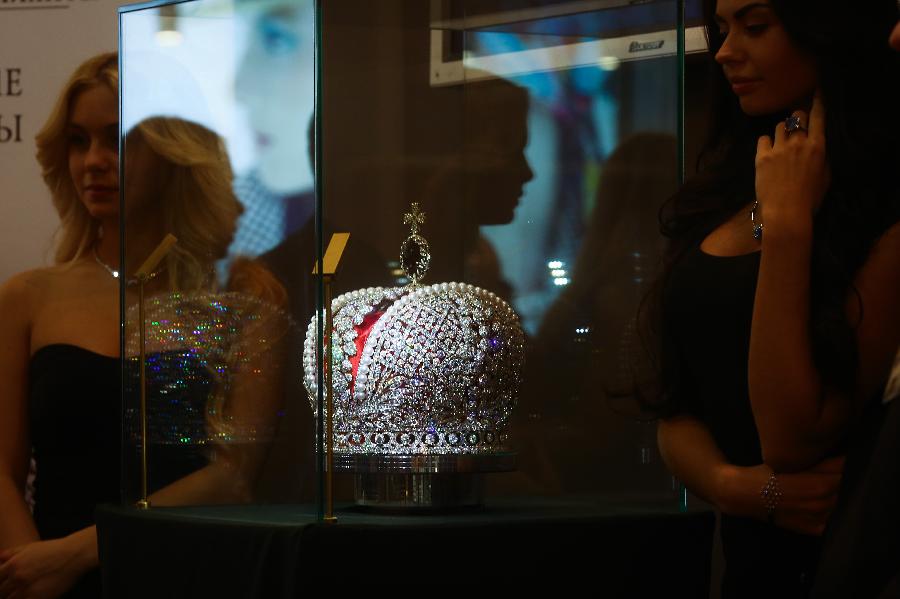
(859, 79)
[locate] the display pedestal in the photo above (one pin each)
(431, 482)
(619, 549)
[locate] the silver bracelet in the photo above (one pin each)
(771, 494)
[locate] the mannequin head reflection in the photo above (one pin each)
(178, 180)
(275, 85)
(78, 152)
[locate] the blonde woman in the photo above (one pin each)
(59, 337)
(59, 348)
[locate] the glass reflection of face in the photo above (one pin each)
(766, 70)
(275, 84)
(496, 169)
(145, 177)
(92, 136)
(496, 135)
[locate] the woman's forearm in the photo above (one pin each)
(83, 544)
(786, 391)
(692, 455)
(16, 524)
(221, 481)
(798, 417)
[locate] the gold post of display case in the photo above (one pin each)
(329, 403)
(146, 272)
(330, 264)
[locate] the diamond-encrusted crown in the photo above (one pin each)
(427, 370)
(420, 370)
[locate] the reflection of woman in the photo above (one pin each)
(206, 347)
(60, 338)
(178, 181)
(475, 179)
(585, 352)
(773, 342)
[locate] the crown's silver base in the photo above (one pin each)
(454, 463)
(419, 492)
(421, 482)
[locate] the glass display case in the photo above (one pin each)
(216, 101)
(480, 339)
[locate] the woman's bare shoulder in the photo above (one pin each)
(25, 285)
(20, 296)
(29, 288)
(30, 282)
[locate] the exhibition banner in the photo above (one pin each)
(41, 43)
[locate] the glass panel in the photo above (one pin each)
(538, 139)
(217, 101)
(604, 151)
(523, 147)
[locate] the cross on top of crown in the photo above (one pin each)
(414, 218)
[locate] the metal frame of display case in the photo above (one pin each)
(643, 46)
(142, 502)
(153, 4)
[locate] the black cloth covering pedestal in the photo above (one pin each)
(281, 551)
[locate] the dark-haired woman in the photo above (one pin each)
(779, 298)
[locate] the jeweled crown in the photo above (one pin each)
(420, 369)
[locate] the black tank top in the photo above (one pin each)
(708, 310)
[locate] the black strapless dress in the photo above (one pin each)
(76, 415)
(76, 433)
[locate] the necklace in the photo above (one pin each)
(756, 225)
(115, 273)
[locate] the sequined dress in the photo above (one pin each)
(708, 310)
(75, 416)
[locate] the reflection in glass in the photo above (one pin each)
(476, 182)
(584, 244)
(583, 103)
(590, 356)
(274, 86)
(213, 354)
(539, 178)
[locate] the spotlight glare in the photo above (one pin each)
(168, 38)
(608, 63)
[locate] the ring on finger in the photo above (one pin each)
(792, 124)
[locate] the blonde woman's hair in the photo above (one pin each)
(77, 230)
(196, 200)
